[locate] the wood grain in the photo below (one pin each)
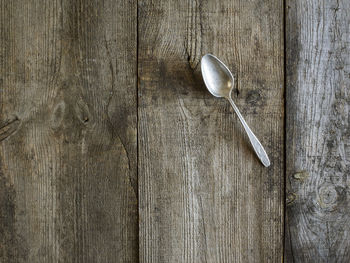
(203, 195)
(318, 132)
(68, 182)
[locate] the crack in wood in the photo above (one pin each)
(131, 180)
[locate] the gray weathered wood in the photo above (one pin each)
(318, 132)
(68, 188)
(204, 196)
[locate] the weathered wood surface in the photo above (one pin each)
(203, 195)
(68, 188)
(318, 132)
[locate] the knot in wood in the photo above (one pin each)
(290, 198)
(328, 196)
(301, 176)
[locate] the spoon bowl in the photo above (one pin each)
(217, 77)
(219, 81)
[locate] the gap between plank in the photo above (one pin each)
(137, 129)
(284, 129)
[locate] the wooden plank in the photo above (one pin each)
(318, 132)
(68, 188)
(203, 195)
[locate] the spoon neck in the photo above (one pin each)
(237, 111)
(229, 96)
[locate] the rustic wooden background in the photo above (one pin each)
(112, 150)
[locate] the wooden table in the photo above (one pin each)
(112, 150)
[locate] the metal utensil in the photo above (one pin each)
(219, 81)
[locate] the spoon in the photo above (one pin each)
(219, 81)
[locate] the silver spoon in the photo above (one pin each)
(219, 81)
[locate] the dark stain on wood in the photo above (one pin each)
(13, 248)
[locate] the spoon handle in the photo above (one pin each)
(258, 148)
